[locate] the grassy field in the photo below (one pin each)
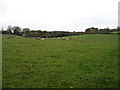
(85, 61)
(115, 32)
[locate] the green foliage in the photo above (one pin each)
(93, 30)
(17, 30)
(90, 61)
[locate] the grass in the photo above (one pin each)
(91, 61)
(115, 32)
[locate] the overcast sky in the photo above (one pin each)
(65, 15)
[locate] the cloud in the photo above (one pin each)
(2, 8)
(58, 14)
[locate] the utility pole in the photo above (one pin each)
(2, 29)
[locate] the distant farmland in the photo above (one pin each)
(84, 61)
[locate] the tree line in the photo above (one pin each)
(26, 32)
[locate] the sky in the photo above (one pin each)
(59, 15)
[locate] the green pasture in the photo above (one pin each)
(115, 32)
(84, 61)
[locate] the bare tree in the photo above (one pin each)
(9, 29)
